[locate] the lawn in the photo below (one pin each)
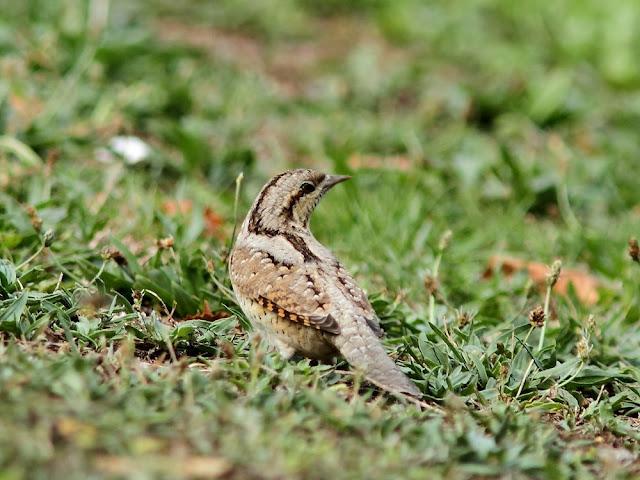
(487, 140)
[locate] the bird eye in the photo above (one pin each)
(307, 187)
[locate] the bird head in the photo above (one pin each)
(288, 200)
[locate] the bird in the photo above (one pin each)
(296, 293)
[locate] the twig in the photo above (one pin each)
(239, 179)
(28, 260)
(547, 299)
(432, 298)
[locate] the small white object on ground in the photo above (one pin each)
(132, 149)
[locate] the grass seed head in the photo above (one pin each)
(48, 238)
(537, 317)
(210, 266)
(112, 253)
(634, 250)
(35, 219)
(554, 274)
(165, 243)
(431, 284)
(445, 240)
(583, 349)
(464, 318)
(136, 295)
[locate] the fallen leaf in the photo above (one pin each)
(213, 223)
(175, 207)
(207, 314)
(585, 284)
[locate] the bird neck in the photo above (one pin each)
(271, 226)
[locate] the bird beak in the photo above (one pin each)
(333, 180)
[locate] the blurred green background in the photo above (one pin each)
(513, 124)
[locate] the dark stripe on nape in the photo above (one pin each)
(300, 246)
(254, 219)
(296, 242)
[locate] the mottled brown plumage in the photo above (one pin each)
(296, 292)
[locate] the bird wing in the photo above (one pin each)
(292, 291)
(357, 296)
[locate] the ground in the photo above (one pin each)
(486, 139)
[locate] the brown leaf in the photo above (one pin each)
(585, 284)
(213, 223)
(175, 207)
(207, 314)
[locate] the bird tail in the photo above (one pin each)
(363, 350)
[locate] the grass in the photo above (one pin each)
(511, 125)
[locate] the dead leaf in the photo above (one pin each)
(213, 223)
(175, 207)
(207, 314)
(585, 284)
